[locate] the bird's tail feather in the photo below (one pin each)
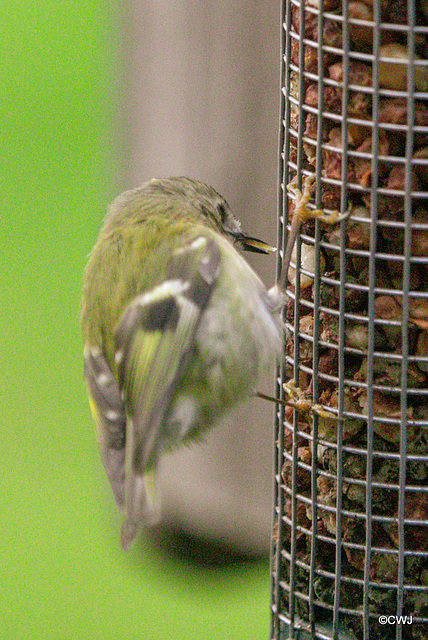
(142, 507)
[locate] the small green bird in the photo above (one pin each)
(177, 330)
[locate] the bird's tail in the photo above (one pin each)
(142, 507)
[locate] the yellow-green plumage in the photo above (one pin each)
(177, 329)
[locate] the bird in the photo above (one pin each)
(177, 330)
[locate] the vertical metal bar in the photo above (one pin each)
(296, 357)
(283, 146)
(316, 330)
(405, 305)
(371, 313)
(341, 332)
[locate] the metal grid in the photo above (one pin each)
(350, 541)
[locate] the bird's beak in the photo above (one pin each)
(252, 244)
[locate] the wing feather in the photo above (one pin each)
(109, 416)
(154, 342)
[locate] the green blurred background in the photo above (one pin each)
(63, 573)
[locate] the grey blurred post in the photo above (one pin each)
(202, 100)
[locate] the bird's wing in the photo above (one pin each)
(109, 415)
(154, 343)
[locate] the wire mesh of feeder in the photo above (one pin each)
(350, 541)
